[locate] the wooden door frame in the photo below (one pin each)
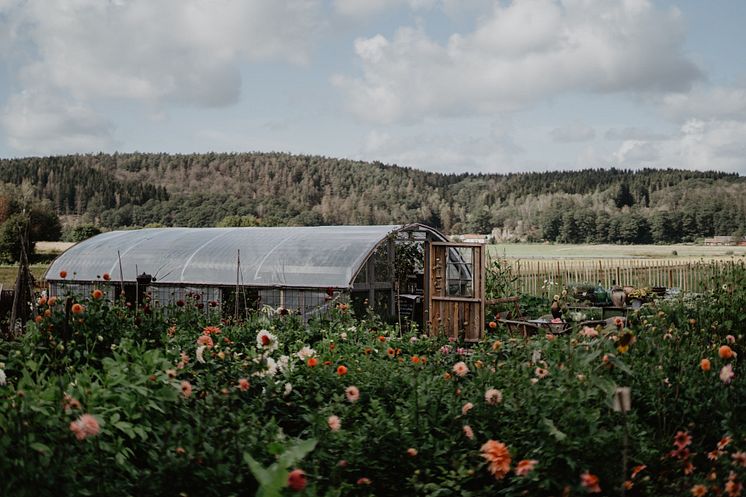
(438, 304)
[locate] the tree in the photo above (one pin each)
(82, 232)
(569, 232)
(623, 197)
(551, 224)
(665, 227)
(11, 234)
(45, 225)
(238, 222)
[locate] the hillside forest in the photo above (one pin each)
(113, 191)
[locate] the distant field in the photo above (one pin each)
(52, 247)
(560, 251)
(8, 274)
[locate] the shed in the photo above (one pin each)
(300, 269)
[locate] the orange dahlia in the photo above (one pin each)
(497, 455)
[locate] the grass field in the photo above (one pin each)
(8, 274)
(560, 251)
(52, 247)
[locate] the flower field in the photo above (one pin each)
(99, 399)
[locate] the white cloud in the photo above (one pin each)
(42, 123)
(698, 144)
(178, 50)
(519, 54)
(573, 133)
(445, 151)
(717, 102)
(69, 58)
(633, 133)
(367, 8)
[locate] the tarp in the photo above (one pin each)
(304, 257)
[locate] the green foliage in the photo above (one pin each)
(12, 232)
(623, 197)
(35, 221)
(80, 233)
(238, 222)
(271, 189)
(174, 415)
(275, 477)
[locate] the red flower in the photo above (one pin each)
(297, 480)
(77, 309)
(106, 277)
(342, 370)
(97, 294)
(636, 470)
(682, 439)
(63, 274)
(590, 482)
(312, 362)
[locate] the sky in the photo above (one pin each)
(481, 86)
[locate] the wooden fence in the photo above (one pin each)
(548, 277)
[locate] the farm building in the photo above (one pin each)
(408, 271)
(725, 241)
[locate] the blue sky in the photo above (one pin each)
(442, 85)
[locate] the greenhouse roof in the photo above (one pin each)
(307, 257)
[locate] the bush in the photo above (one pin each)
(186, 403)
(80, 233)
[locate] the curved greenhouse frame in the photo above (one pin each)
(297, 268)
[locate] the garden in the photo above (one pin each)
(98, 398)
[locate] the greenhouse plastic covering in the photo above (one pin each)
(304, 257)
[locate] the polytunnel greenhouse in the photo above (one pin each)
(298, 270)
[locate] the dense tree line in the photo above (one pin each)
(74, 186)
(598, 205)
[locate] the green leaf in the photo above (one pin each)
(141, 433)
(261, 474)
(297, 452)
(275, 448)
(620, 365)
(40, 447)
(558, 435)
(125, 427)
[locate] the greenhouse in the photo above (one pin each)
(299, 270)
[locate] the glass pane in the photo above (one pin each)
(459, 272)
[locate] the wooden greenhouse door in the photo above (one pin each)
(455, 290)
